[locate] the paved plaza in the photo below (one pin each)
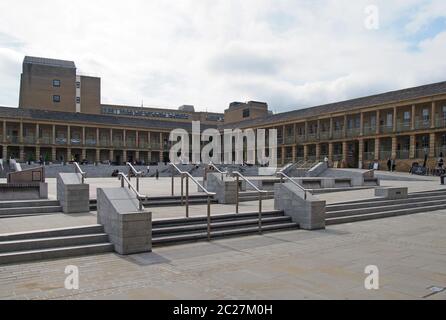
(410, 252)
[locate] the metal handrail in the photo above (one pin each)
(187, 175)
(78, 169)
(283, 175)
(216, 169)
(140, 197)
(136, 173)
(238, 175)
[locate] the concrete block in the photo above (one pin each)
(392, 193)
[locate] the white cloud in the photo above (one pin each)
(209, 53)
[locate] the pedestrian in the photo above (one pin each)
(393, 165)
(148, 170)
(157, 174)
(389, 165)
(442, 176)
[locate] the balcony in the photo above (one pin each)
(46, 140)
(386, 128)
(61, 141)
(12, 139)
(353, 132)
(338, 134)
(312, 137)
(403, 126)
(324, 135)
(90, 142)
(369, 131)
(29, 140)
(422, 124)
(385, 154)
(402, 154)
(289, 140)
(370, 156)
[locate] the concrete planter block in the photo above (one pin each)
(392, 193)
(74, 196)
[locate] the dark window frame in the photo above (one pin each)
(56, 83)
(56, 98)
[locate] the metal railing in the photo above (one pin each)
(284, 176)
(238, 175)
(78, 169)
(135, 172)
(140, 197)
(215, 168)
(187, 175)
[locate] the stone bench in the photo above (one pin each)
(392, 193)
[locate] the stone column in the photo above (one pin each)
(83, 136)
(68, 158)
(69, 135)
(97, 137)
(84, 154)
(378, 121)
(124, 156)
(111, 137)
(294, 154)
(318, 129)
(318, 151)
(361, 152)
(361, 124)
(344, 150)
(345, 126)
(53, 154)
(4, 132)
(161, 145)
(148, 142)
(306, 152)
(111, 155)
(377, 142)
(306, 131)
(137, 141)
(37, 153)
(412, 147)
(21, 132)
(432, 138)
(5, 152)
(98, 155)
(331, 128)
(412, 126)
(433, 116)
(394, 119)
(37, 135)
(330, 151)
(394, 147)
(54, 134)
(124, 138)
(283, 156)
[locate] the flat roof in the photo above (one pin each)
(50, 62)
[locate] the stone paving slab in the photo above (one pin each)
(409, 251)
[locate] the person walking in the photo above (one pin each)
(389, 165)
(157, 174)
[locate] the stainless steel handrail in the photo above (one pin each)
(187, 175)
(135, 172)
(283, 175)
(139, 196)
(238, 175)
(211, 165)
(78, 169)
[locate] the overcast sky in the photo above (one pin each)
(208, 53)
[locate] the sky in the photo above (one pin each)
(209, 53)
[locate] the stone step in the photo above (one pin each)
(55, 253)
(175, 239)
(28, 203)
(379, 215)
(194, 228)
(52, 242)
(172, 222)
(18, 211)
(60, 232)
(372, 209)
(380, 203)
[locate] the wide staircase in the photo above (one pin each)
(14, 209)
(173, 231)
(55, 243)
(382, 208)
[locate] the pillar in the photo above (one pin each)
(68, 158)
(37, 137)
(53, 154)
(433, 116)
(361, 124)
(412, 147)
(412, 119)
(294, 154)
(124, 139)
(111, 138)
(148, 142)
(4, 133)
(331, 129)
(377, 142)
(282, 150)
(5, 152)
(84, 154)
(330, 151)
(306, 132)
(345, 126)
(111, 156)
(305, 152)
(394, 119)
(394, 147)
(97, 138)
(318, 129)
(432, 145)
(344, 150)
(378, 123)
(69, 136)
(83, 136)
(98, 155)
(37, 153)
(318, 151)
(124, 156)
(54, 136)
(161, 144)
(137, 141)
(361, 152)
(21, 134)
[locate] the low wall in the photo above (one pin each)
(23, 191)
(73, 195)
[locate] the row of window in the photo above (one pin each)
(56, 99)
(57, 83)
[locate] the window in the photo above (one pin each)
(425, 114)
(56, 83)
(78, 84)
(56, 98)
(406, 116)
(246, 113)
(78, 99)
(390, 120)
(444, 112)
